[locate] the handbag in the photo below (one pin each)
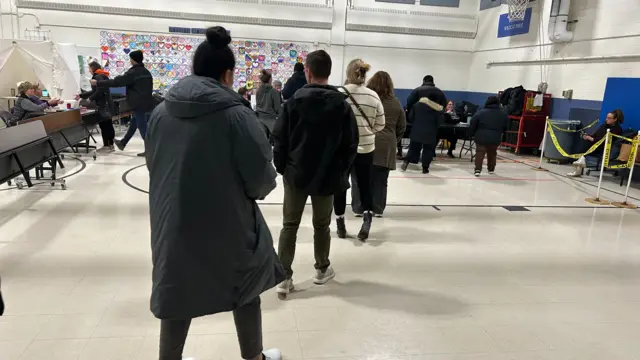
(353, 100)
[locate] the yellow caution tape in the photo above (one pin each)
(630, 160)
(622, 137)
(570, 131)
(556, 143)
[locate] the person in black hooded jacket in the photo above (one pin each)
(104, 104)
(295, 82)
(315, 145)
(487, 127)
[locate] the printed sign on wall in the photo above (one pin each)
(507, 28)
(168, 57)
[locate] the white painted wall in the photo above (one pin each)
(604, 28)
(406, 58)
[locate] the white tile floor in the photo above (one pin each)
(561, 281)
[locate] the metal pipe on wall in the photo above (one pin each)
(585, 59)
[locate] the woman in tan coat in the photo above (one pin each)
(384, 156)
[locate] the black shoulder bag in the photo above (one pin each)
(353, 100)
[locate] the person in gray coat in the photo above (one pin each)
(25, 107)
(209, 162)
(268, 103)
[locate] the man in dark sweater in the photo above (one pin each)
(139, 83)
(295, 82)
(315, 143)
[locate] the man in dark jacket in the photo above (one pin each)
(295, 82)
(101, 98)
(425, 106)
(315, 144)
(139, 83)
(487, 127)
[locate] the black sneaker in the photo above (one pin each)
(425, 170)
(342, 228)
(404, 166)
(450, 154)
(142, 154)
(363, 235)
(476, 173)
(119, 145)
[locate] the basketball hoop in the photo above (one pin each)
(517, 9)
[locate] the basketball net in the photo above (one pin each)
(517, 9)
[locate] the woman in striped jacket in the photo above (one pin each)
(369, 114)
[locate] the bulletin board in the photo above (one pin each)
(168, 57)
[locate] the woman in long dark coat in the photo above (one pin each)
(209, 162)
(384, 156)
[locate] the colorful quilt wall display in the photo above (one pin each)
(168, 57)
(254, 56)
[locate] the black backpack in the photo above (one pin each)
(516, 101)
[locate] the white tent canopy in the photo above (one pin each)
(54, 66)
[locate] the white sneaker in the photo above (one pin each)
(492, 172)
(377, 215)
(580, 162)
(577, 171)
(272, 354)
(112, 148)
(321, 278)
(285, 287)
(104, 149)
(357, 214)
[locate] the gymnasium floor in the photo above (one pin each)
(514, 266)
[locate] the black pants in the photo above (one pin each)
(379, 182)
(362, 167)
(107, 131)
(413, 155)
(294, 203)
(450, 135)
(248, 319)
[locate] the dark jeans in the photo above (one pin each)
(492, 153)
(361, 172)
(449, 134)
(138, 121)
(413, 155)
(379, 181)
(107, 131)
(294, 204)
(248, 319)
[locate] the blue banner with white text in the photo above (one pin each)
(508, 28)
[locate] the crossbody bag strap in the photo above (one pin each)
(353, 100)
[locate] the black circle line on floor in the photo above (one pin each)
(435, 207)
(567, 177)
(126, 181)
(83, 165)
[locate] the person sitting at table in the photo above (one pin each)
(37, 94)
(101, 97)
(487, 127)
(613, 121)
(449, 133)
(25, 108)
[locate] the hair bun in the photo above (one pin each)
(365, 67)
(218, 37)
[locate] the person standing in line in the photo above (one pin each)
(425, 106)
(268, 103)
(384, 156)
(139, 83)
(295, 82)
(211, 248)
(487, 127)
(315, 144)
(104, 105)
(369, 113)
